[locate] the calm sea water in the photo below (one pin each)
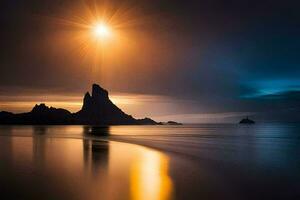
(212, 161)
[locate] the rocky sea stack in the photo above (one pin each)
(97, 109)
(247, 121)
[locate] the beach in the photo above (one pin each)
(219, 161)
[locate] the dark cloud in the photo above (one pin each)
(216, 53)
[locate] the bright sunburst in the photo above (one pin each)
(101, 30)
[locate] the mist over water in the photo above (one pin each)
(262, 144)
(210, 161)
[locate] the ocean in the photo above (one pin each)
(203, 161)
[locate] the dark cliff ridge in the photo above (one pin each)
(97, 109)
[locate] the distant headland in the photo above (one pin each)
(247, 121)
(97, 109)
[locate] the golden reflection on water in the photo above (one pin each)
(88, 169)
(149, 177)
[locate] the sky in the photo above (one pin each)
(190, 61)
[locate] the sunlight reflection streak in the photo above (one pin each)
(149, 177)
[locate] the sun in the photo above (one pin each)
(101, 30)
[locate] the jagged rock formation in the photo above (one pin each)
(97, 109)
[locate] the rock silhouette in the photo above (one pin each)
(247, 121)
(173, 123)
(97, 109)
